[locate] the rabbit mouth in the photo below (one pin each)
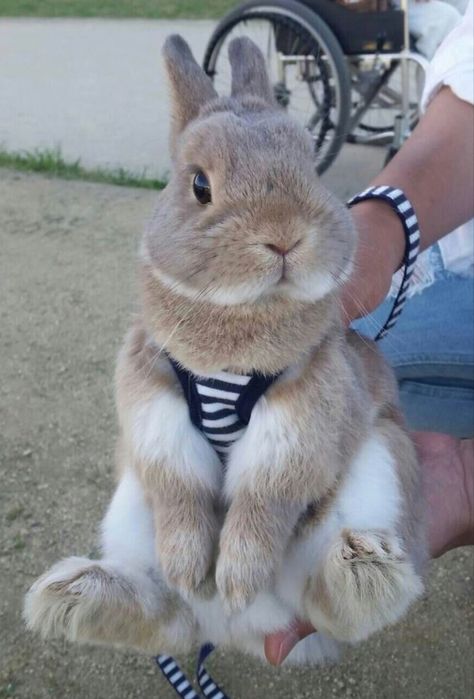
(286, 280)
(309, 287)
(284, 272)
(287, 275)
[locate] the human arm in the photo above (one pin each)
(435, 169)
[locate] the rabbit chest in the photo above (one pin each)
(221, 404)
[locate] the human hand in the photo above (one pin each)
(448, 479)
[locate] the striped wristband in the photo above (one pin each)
(404, 210)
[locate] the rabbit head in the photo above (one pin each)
(244, 229)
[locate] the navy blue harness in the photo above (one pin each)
(244, 405)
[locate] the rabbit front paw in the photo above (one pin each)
(244, 568)
(186, 554)
(366, 582)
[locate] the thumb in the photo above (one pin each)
(278, 645)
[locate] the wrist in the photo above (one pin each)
(381, 234)
(379, 254)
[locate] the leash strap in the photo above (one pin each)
(208, 687)
(176, 677)
(405, 212)
(180, 683)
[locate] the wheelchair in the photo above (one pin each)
(345, 71)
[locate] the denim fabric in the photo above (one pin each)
(432, 351)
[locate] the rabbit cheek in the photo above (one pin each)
(310, 287)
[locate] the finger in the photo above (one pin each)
(279, 645)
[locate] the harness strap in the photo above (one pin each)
(188, 384)
(255, 388)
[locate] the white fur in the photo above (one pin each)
(370, 496)
(162, 432)
(127, 531)
(247, 292)
(301, 286)
(369, 499)
(310, 286)
(367, 504)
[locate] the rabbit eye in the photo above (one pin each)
(201, 188)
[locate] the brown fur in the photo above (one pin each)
(265, 337)
(315, 513)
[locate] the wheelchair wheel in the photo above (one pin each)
(306, 66)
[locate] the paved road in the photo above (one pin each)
(97, 89)
(67, 259)
(94, 87)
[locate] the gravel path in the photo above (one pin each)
(67, 288)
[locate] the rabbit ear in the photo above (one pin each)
(190, 86)
(249, 73)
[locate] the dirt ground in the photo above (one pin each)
(67, 254)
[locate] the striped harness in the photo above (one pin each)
(220, 404)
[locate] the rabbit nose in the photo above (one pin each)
(281, 249)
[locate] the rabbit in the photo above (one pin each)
(314, 511)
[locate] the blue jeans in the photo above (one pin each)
(431, 349)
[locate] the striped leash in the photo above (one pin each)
(180, 683)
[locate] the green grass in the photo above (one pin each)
(156, 9)
(52, 163)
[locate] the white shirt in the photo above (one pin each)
(453, 65)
